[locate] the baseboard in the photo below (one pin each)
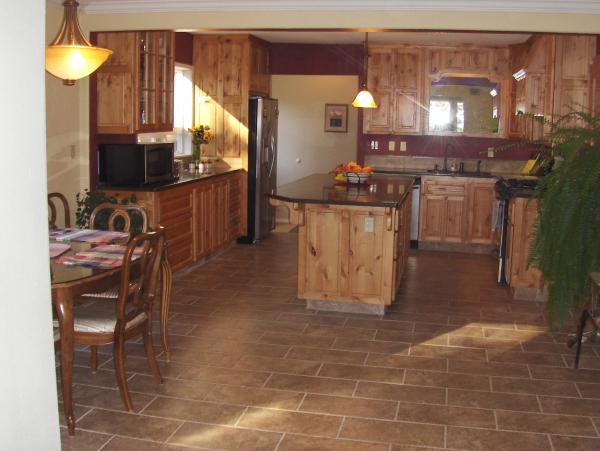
(458, 247)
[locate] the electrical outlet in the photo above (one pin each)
(369, 225)
(490, 152)
(402, 146)
(392, 146)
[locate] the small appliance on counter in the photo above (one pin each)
(135, 164)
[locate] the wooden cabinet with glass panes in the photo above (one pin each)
(134, 88)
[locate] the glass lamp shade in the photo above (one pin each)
(364, 99)
(72, 62)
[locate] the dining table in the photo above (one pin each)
(68, 284)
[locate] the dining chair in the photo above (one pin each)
(121, 217)
(101, 323)
(118, 217)
(52, 197)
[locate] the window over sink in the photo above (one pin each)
(464, 105)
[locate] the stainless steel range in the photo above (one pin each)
(506, 189)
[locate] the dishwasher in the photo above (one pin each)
(414, 213)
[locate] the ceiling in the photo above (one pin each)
(564, 6)
(387, 37)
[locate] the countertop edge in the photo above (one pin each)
(170, 185)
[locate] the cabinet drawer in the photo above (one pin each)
(445, 189)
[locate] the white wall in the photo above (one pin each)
(29, 411)
(301, 134)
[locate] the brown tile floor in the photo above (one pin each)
(456, 364)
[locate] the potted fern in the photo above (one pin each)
(566, 243)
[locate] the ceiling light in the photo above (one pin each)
(364, 99)
(70, 56)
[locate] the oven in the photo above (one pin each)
(506, 189)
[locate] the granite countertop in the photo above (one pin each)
(186, 177)
(379, 191)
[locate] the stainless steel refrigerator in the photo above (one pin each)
(262, 167)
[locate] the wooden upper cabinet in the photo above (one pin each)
(134, 88)
(227, 68)
(395, 80)
(260, 78)
(381, 69)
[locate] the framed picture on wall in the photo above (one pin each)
(336, 117)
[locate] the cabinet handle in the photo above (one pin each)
(313, 251)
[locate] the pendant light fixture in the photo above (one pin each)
(71, 56)
(364, 99)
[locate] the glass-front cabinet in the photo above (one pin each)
(155, 79)
(134, 88)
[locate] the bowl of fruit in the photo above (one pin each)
(352, 172)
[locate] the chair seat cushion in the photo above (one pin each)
(100, 317)
(111, 293)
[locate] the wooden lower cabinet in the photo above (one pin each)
(522, 215)
(199, 217)
(351, 253)
(457, 210)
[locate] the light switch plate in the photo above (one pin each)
(392, 146)
(402, 146)
(369, 225)
(490, 152)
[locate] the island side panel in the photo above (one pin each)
(346, 254)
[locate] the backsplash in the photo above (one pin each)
(419, 163)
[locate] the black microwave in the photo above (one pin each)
(135, 164)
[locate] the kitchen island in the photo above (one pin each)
(353, 240)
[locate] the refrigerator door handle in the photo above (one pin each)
(271, 148)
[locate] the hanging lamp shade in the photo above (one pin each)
(70, 56)
(364, 99)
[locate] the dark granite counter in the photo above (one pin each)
(186, 177)
(379, 191)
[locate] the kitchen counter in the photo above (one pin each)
(422, 173)
(353, 240)
(185, 178)
(380, 191)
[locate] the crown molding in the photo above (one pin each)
(162, 6)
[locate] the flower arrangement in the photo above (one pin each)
(200, 135)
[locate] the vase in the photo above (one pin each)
(196, 155)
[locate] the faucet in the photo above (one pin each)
(445, 168)
(478, 166)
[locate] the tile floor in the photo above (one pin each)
(456, 364)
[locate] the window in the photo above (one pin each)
(446, 115)
(183, 109)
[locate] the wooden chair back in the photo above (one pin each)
(61, 200)
(139, 277)
(119, 216)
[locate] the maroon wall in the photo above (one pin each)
(184, 48)
(315, 59)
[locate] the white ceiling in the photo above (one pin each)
(388, 37)
(112, 6)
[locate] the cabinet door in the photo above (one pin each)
(455, 219)
(204, 215)
(433, 216)
(379, 120)
(322, 268)
(455, 59)
(260, 80)
(381, 69)
(175, 213)
(481, 202)
(220, 214)
(407, 117)
(235, 203)
(523, 213)
(407, 69)
(115, 84)
(477, 60)
(366, 270)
